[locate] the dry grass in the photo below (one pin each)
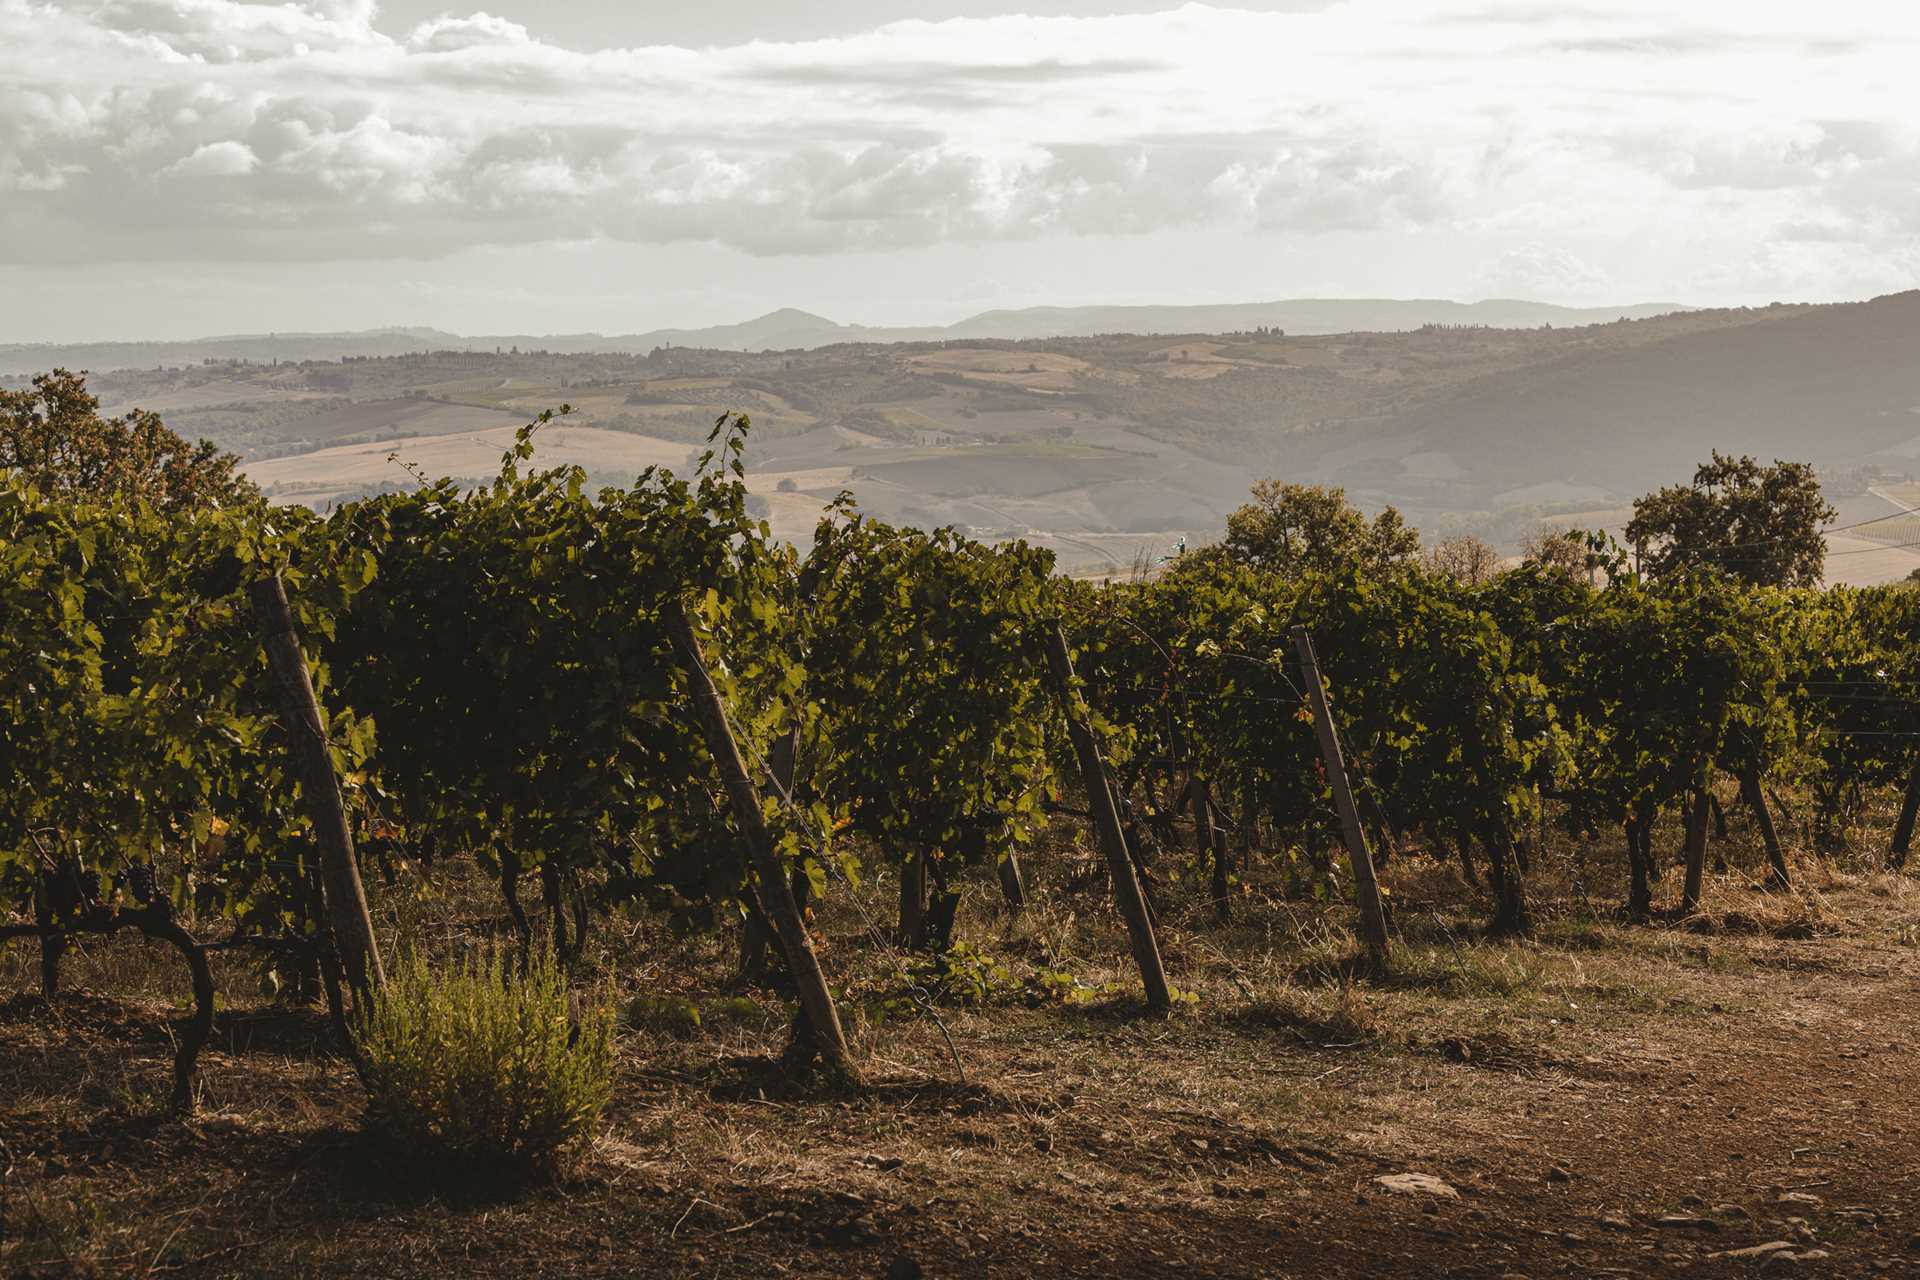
(1073, 1135)
(472, 450)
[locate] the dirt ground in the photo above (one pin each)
(1729, 1095)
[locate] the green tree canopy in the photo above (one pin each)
(54, 436)
(1293, 528)
(1761, 524)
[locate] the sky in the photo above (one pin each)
(174, 168)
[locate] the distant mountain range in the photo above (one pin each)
(789, 329)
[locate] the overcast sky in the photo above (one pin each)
(181, 167)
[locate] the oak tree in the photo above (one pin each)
(1759, 523)
(54, 436)
(1297, 528)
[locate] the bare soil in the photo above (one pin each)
(1607, 1099)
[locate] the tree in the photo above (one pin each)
(1560, 551)
(1464, 558)
(1313, 528)
(1760, 524)
(55, 437)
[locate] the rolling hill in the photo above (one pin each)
(1306, 316)
(1112, 446)
(1837, 386)
(789, 329)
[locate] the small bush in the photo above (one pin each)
(960, 975)
(682, 1018)
(491, 1068)
(668, 1015)
(967, 977)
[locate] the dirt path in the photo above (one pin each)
(1799, 1133)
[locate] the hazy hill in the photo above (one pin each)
(1838, 386)
(787, 329)
(1104, 446)
(1301, 316)
(260, 348)
(792, 330)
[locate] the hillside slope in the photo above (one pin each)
(789, 329)
(1837, 386)
(1303, 316)
(1108, 447)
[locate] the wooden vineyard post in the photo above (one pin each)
(1903, 829)
(1106, 821)
(776, 895)
(1777, 874)
(306, 731)
(1373, 917)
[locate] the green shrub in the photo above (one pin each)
(490, 1068)
(681, 1017)
(960, 975)
(669, 1015)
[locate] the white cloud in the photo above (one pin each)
(155, 129)
(226, 159)
(450, 34)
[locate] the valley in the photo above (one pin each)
(1109, 449)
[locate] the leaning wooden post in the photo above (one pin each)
(1106, 821)
(1777, 875)
(306, 731)
(1903, 829)
(756, 932)
(1373, 917)
(776, 895)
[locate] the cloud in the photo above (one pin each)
(1543, 271)
(226, 159)
(914, 75)
(156, 129)
(451, 35)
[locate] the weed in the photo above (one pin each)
(493, 1068)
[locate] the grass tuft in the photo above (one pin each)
(1329, 1016)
